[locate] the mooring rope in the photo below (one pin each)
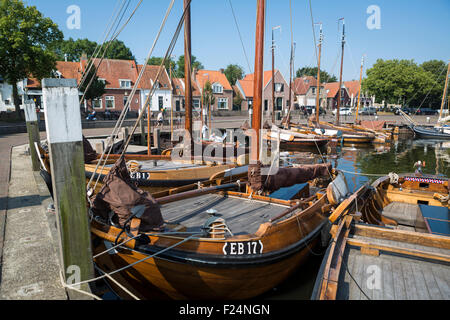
(71, 286)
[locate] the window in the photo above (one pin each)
(109, 102)
(125, 84)
(279, 104)
(160, 102)
(313, 91)
(125, 100)
(223, 103)
(102, 80)
(266, 105)
(217, 88)
(279, 87)
(97, 103)
(196, 103)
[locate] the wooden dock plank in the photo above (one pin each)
(356, 272)
(398, 280)
(442, 278)
(410, 283)
(430, 281)
(422, 289)
(387, 280)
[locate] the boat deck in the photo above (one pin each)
(366, 262)
(162, 165)
(242, 216)
(399, 277)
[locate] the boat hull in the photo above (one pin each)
(203, 269)
(424, 133)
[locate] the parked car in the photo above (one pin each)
(312, 110)
(370, 111)
(343, 112)
(408, 111)
(429, 111)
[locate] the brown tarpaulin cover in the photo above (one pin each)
(89, 152)
(285, 177)
(374, 125)
(120, 195)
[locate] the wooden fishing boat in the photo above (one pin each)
(422, 132)
(296, 141)
(220, 242)
(398, 223)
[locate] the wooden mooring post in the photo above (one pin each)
(33, 133)
(64, 134)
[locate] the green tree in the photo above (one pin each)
(96, 87)
(398, 81)
(156, 61)
(118, 50)
(74, 49)
(208, 95)
(27, 40)
(438, 71)
(194, 65)
(312, 71)
(234, 72)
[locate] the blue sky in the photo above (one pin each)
(410, 29)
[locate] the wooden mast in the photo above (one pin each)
(258, 78)
(340, 76)
(360, 87)
(445, 91)
(318, 76)
(291, 72)
(171, 107)
(187, 67)
(273, 77)
(149, 123)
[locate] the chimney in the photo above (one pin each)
(83, 57)
(222, 70)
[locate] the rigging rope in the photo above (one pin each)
(240, 37)
(121, 119)
(97, 49)
(107, 46)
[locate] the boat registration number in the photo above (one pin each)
(140, 175)
(243, 248)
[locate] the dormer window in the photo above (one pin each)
(125, 84)
(217, 88)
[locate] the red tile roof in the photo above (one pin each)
(352, 87)
(149, 78)
(33, 83)
(113, 70)
(247, 87)
(70, 70)
(267, 76)
(181, 86)
(332, 88)
(302, 85)
(212, 76)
